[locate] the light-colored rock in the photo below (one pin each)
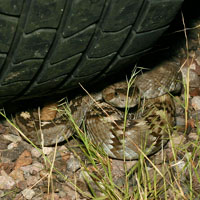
(43, 173)
(12, 138)
(177, 140)
(73, 164)
(31, 180)
(180, 121)
(71, 193)
(180, 165)
(12, 145)
(35, 153)
(196, 102)
(193, 77)
(47, 150)
(193, 136)
(28, 193)
(36, 166)
(17, 175)
(6, 182)
(118, 170)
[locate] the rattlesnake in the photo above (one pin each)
(103, 115)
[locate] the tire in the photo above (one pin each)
(49, 46)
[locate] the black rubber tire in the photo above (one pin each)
(49, 46)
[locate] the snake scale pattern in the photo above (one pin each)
(103, 114)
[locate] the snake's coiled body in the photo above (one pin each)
(118, 138)
(105, 117)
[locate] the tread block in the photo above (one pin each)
(13, 88)
(107, 43)
(139, 42)
(11, 7)
(43, 88)
(156, 14)
(120, 63)
(89, 66)
(81, 15)
(2, 59)
(7, 30)
(120, 14)
(44, 14)
(73, 82)
(34, 45)
(59, 69)
(23, 71)
(67, 47)
(5, 99)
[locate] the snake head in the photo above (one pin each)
(118, 95)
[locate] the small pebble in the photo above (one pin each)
(73, 164)
(196, 115)
(6, 182)
(193, 77)
(35, 153)
(180, 164)
(28, 193)
(22, 185)
(196, 102)
(177, 141)
(12, 138)
(43, 173)
(36, 166)
(47, 150)
(180, 121)
(17, 175)
(72, 194)
(31, 180)
(193, 136)
(12, 145)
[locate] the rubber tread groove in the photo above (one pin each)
(103, 72)
(9, 15)
(113, 59)
(106, 3)
(37, 75)
(19, 31)
(38, 29)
